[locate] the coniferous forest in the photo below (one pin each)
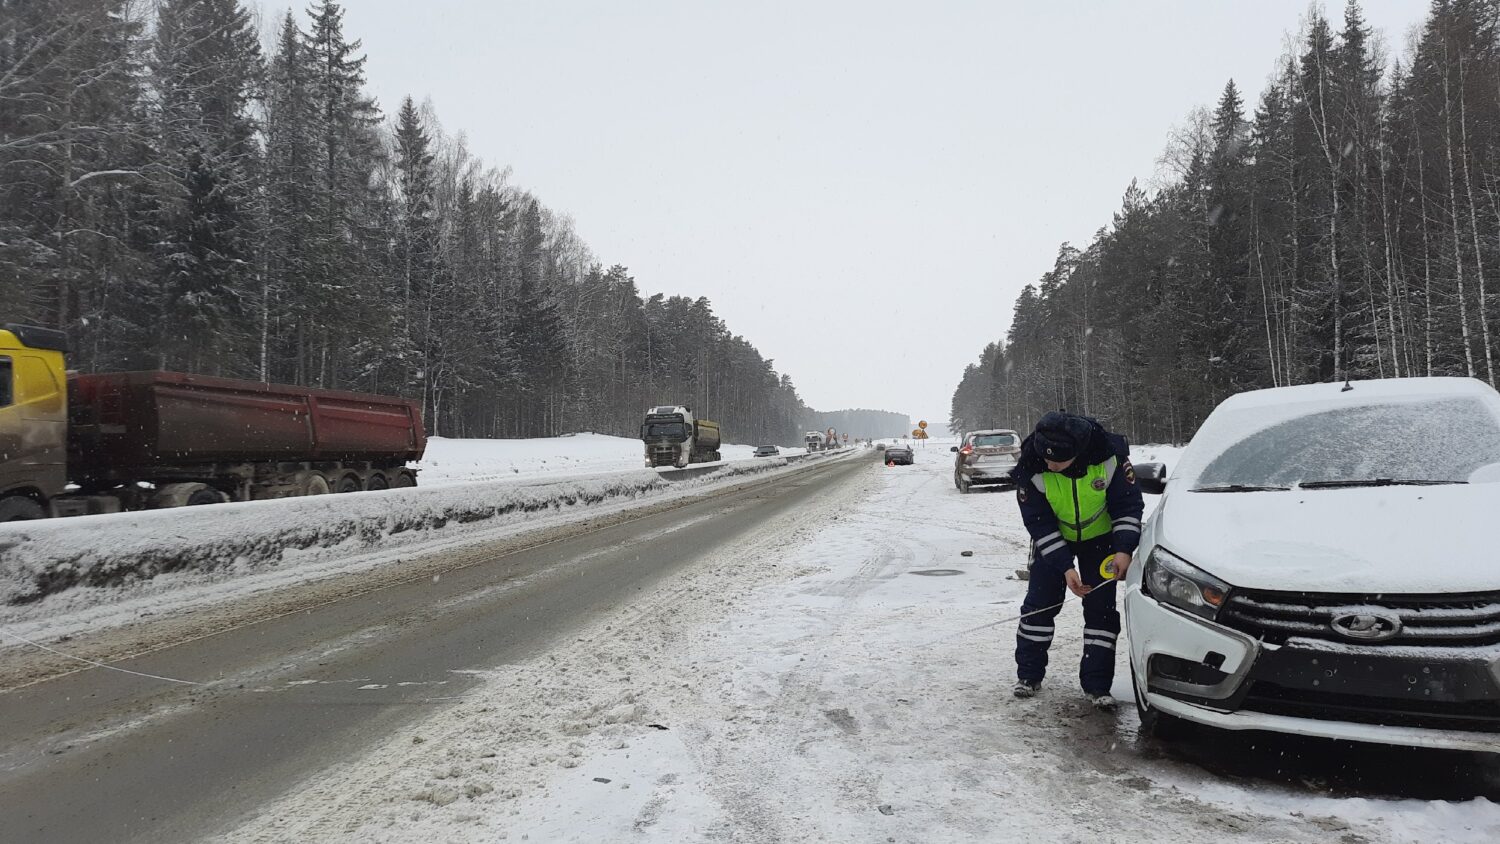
(1344, 225)
(177, 197)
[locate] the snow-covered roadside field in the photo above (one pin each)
(823, 680)
(450, 461)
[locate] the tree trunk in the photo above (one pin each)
(1484, 319)
(1458, 258)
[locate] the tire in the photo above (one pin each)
(1154, 722)
(19, 508)
(207, 495)
(403, 479)
(377, 482)
(348, 483)
(313, 483)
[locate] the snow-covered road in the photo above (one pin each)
(818, 681)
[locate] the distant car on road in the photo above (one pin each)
(1316, 567)
(901, 455)
(986, 457)
(767, 451)
(880, 446)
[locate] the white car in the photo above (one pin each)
(1321, 563)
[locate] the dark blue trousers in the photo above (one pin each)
(1101, 621)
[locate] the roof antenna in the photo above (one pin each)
(1347, 386)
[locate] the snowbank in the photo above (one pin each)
(40, 559)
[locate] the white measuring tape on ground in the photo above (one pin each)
(95, 663)
(1022, 616)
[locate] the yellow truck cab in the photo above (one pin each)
(33, 420)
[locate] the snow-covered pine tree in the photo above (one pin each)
(206, 70)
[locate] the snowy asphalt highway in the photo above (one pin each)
(97, 755)
(832, 681)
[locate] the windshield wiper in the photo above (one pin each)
(1375, 482)
(1239, 488)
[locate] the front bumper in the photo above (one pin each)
(1212, 675)
(1319, 728)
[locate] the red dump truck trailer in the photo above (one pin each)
(134, 440)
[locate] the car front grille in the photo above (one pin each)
(1426, 620)
(1274, 699)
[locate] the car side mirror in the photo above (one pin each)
(1152, 477)
(955, 448)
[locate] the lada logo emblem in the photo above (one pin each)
(1366, 627)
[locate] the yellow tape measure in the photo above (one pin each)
(1107, 568)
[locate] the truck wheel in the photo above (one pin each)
(313, 483)
(348, 483)
(19, 508)
(207, 495)
(377, 481)
(186, 494)
(404, 479)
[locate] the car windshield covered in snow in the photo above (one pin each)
(1433, 441)
(665, 429)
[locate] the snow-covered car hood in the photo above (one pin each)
(1412, 539)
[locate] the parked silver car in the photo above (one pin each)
(986, 457)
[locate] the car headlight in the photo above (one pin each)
(1173, 580)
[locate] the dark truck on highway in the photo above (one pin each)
(74, 444)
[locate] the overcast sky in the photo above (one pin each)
(861, 188)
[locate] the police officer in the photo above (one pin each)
(1079, 500)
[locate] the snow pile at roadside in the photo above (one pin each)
(42, 558)
(105, 553)
(840, 676)
(451, 461)
(1168, 454)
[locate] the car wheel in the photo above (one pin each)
(964, 486)
(1154, 722)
